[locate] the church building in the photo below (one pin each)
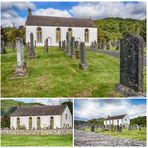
(55, 28)
(41, 117)
(117, 120)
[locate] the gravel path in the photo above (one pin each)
(82, 138)
(115, 54)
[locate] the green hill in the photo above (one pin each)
(114, 28)
(9, 106)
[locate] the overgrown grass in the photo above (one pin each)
(133, 134)
(13, 140)
(56, 75)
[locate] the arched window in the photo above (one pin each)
(66, 116)
(58, 35)
(38, 123)
(70, 32)
(18, 123)
(86, 35)
(30, 122)
(51, 122)
(39, 34)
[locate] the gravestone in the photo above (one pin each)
(21, 65)
(92, 127)
(117, 45)
(60, 46)
(76, 44)
(83, 64)
(72, 47)
(103, 44)
(46, 45)
(68, 50)
(64, 46)
(131, 65)
(3, 49)
(108, 46)
(31, 49)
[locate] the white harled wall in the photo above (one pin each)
(50, 33)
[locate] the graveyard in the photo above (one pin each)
(54, 74)
(36, 140)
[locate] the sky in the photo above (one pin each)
(16, 12)
(86, 109)
(43, 101)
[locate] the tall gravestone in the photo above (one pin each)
(31, 49)
(46, 45)
(118, 45)
(73, 47)
(3, 49)
(83, 64)
(64, 45)
(68, 50)
(108, 46)
(21, 65)
(131, 64)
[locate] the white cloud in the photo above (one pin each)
(110, 9)
(19, 5)
(90, 109)
(52, 12)
(50, 101)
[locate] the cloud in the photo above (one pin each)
(50, 101)
(10, 17)
(19, 5)
(110, 9)
(52, 12)
(90, 109)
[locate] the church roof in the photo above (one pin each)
(115, 117)
(39, 110)
(58, 21)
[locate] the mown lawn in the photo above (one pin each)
(133, 134)
(13, 140)
(56, 75)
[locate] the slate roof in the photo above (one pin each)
(59, 21)
(39, 110)
(115, 117)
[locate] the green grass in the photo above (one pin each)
(13, 140)
(56, 75)
(133, 134)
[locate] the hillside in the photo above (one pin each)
(114, 28)
(9, 106)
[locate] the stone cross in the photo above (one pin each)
(131, 62)
(83, 64)
(68, 50)
(3, 49)
(31, 52)
(73, 47)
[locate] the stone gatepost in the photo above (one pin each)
(131, 65)
(21, 65)
(31, 50)
(73, 47)
(3, 49)
(68, 50)
(83, 64)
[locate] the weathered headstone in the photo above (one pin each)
(131, 65)
(72, 47)
(83, 64)
(68, 50)
(35, 43)
(31, 50)
(60, 46)
(21, 65)
(76, 44)
(46, 45)
(108, 46)
(3, 49)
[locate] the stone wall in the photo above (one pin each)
(38, 132)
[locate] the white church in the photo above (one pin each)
(117, 120)
(41, 117)
(55, 28)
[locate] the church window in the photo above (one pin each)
(39, 34)
(86, 35)
(58, 35)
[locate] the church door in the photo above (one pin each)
(51, 122)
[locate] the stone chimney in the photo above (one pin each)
(29, 12)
